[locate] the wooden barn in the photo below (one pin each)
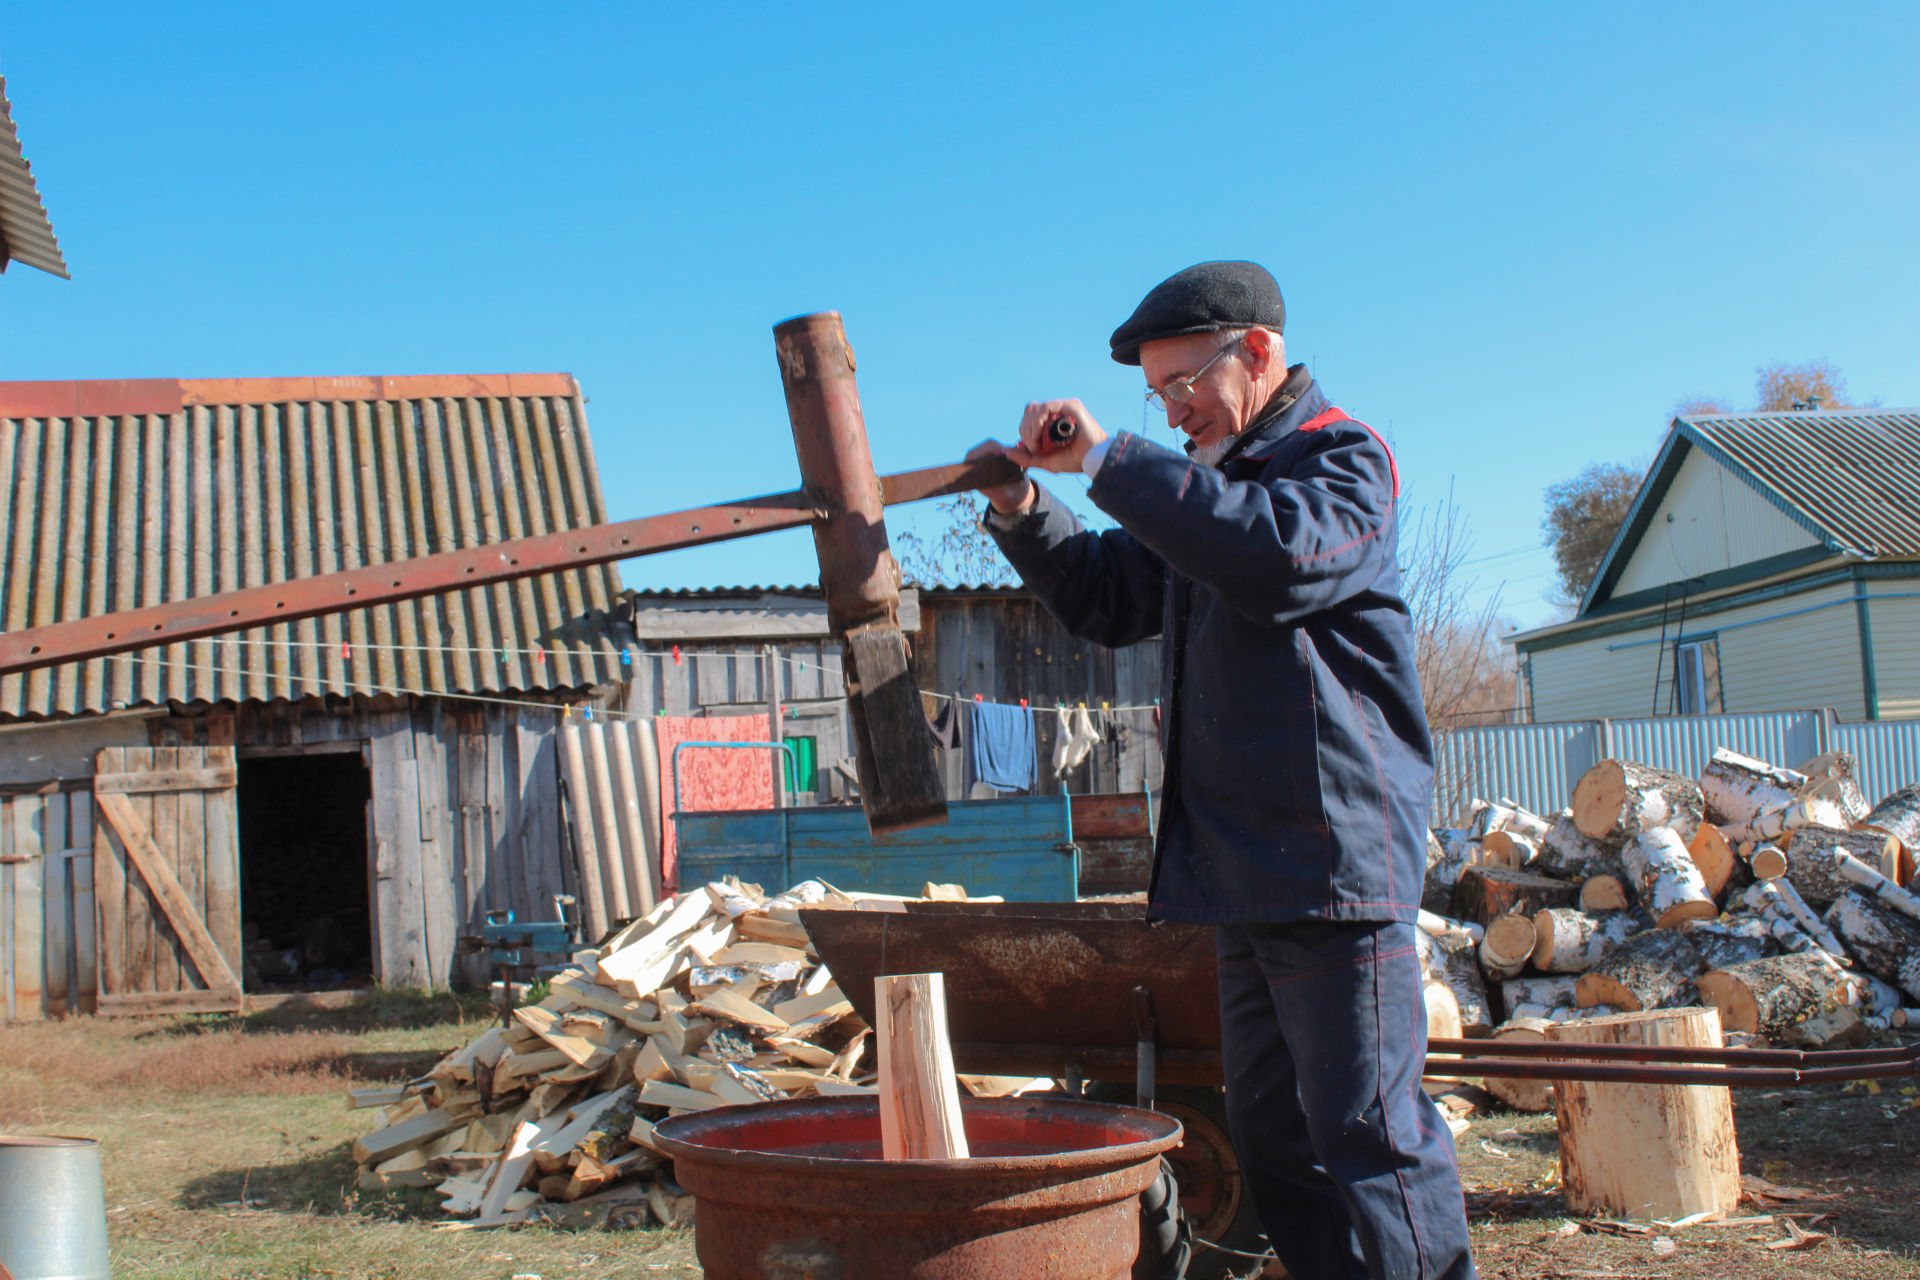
(320, 802)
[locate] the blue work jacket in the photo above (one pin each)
(1298, 765)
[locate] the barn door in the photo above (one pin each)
(167, 878)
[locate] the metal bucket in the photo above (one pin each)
(53, 1214)
(792, 1189)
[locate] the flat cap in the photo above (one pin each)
(1201, 299)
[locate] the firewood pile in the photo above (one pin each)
(1778, 896)
(713, 998)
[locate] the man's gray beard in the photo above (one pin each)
(1209, 455)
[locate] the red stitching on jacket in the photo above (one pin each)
(1330, 416)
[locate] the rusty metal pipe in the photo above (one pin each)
(1800, 1058)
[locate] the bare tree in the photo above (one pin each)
(1582, 516)
(1466, 676)
(1814, 385)
(961, 552)
(1694, 406)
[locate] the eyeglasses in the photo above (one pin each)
(1180, 390)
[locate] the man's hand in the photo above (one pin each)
(1037, 448)
(1006, 498)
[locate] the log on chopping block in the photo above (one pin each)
(1518, 1092)
(900, 781)
(1822, 863)
(1650, 970)
(919, 1093)
(1665, 878)
(1736, 788)
(1507, 946)
(1569, 941)
(1619, 799)
(1835, 776)
(1899, 816)
(1884, 942)
(1486, 893)
(1453, 959)
(1728, 941)
(1772, 995)
(1644, 1150)
(1604, 893)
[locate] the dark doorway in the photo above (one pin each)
(303, 871)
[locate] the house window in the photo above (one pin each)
(1696, 672)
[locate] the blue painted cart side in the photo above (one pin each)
(1019, 847)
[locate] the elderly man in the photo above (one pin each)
(1298, 764)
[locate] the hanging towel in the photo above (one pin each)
(944, 724)
(1062, 739)
(1077, 737)
(1000, 745)
(710, 780)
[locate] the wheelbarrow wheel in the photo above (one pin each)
(1223, 1233)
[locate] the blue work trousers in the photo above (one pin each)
(1323, 1036)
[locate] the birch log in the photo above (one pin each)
(1603, 893)
(1485, 893)
(1553, 991)
(1567, 941)
(1715, 858)
(1619, 799)
(1505, 815)
(1431, 923)
(1885, 943)
(1568, 853)
(1651, 970)
(1510, 849)
(1899, 816)
(1448, 854)
(1453, 959)
(1818, 861)
(1508, 944)
(1641, 1150)
(1835, 776)
(1785, 898)
(1668, 883)
(1737, 788)
(1443, 1010)
(919, 1094)
(1521, 1094)
(1815, 812)
(1729, 940)
(1771, 996)
(1905, 901)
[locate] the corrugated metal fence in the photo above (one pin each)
(1537, 764)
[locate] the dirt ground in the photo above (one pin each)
(225, 1144)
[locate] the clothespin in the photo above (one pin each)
(676, 655)
(589, 715)
(503, 655)
(1083, 705)
(626, 657)
(1023, 704)
(659, 711)
(566, 711)
(539, 654)
(976, 697)
(1103, 708)
(346, 654)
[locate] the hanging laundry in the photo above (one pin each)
(944, 724)
(1062, 739)
(1000, 746)
(710, 779)
(1077, 739)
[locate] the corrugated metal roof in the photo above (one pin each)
(1852, 473)
(119, 494)
(25, 234)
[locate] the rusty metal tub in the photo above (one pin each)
(797, 1188)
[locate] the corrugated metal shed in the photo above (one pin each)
(121, 494)
(1853, 473)
(25, 233)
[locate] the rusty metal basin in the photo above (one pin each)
(797, 1188)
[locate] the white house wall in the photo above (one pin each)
(1896, 651)
(1809, 659)
(1709, 520)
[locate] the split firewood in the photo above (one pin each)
(670, 1203)
(1485, 893)
(1737, 788)
(1569, 941)
(1769, 996)
(1835, 776)
(919, 1096)
(801, 1008)
(1720, 868)
(1665, 878)
(765, 927)
(1620, 799)
(1448, 854)
(1886, 943)
(1507, 848)
(1650, 970)
(1813, 860)
(1728, 941)
(643, 964)
(1603, 893)
(729, 1007)
(1517, 1092)
(1507, 946)
(416, 1131)
(1453, 959)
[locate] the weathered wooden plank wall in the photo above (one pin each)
(46, 905)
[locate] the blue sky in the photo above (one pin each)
(1511, 237)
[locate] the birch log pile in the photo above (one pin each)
(1568, 941)
(1771, 996)
(1568, 853)
(1647, 1151)
(1619, 799)
(1650, 970)
(1452, 959)
(1667, 881)
(1738, 788)
(1886, 943)
(1485, 893)
(1774, 824)
(1835, 776)
(1448, 854)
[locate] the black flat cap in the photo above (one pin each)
(1201, 299)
